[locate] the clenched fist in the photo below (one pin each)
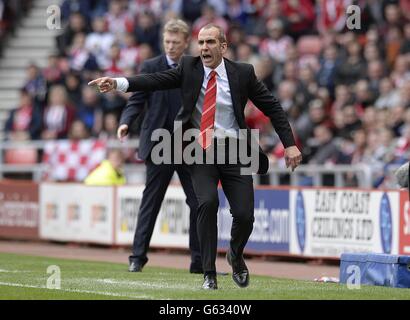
(293, 157)
(122, 131)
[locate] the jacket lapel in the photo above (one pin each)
(233, 79)
(197, 79)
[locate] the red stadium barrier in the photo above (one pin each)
(19, 210)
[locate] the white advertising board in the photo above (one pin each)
(329, 222)
(75, 212)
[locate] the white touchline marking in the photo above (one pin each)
(105, 293)
(144, 284)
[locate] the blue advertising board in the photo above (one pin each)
(271, 227)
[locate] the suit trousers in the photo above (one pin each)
(238, 190)
(157, 181)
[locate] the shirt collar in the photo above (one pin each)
(170, 61)
(220, 70)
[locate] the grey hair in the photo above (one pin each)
(177, 26)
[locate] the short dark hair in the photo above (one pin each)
(221, 36)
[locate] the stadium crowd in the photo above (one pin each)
(346, 92)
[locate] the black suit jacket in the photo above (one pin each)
(156, 113)
(243, 84)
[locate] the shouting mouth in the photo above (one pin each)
(206, 57)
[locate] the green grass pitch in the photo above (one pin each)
(25, 277)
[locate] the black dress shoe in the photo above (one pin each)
(240, 272)
(135, 267)
(210, 282)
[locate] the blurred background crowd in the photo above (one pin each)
(346, 92)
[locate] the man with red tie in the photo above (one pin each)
(215, 91)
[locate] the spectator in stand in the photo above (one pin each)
(287, 94)
(145, 52)
(190, 9)
(52, 72)
(315, 116)
(402, 147)
(387, 143)
(372, 52)
(109, 172)
(322, 146)
(208, 15)
(331, 15)
(363, 95)
(375, 73)
(89, 111)
(405, 47)
(24, 122)
(110, 125)
(158, 7)
(58, 114)
(237, 12)
(404, 93)
(369, 119)
(147, 31)
(80, 58)
(393, 17)
(77, 24)
(396, 118)
(72, 83)
(245, 53)
(115, 65)
(360, 144)
(327, 69)
(119, 20)
(343, 97)
(129, 55)
(264, 71)
(113, 102)
(276, 45)
(353, 67)
(35, 83)
(78, 131)
(71, 6)
(99, 41)
(393, 43)
(401, 72)
(351, 121)
(308, 87)
(300, 15)
(388, 96)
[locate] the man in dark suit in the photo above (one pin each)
(162, 109)
(215, 92)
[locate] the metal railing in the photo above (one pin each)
(37, 170)
(315, 175)
(304, 175)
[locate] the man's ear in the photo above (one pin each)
(224, 47)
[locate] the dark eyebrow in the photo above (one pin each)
(207, 41)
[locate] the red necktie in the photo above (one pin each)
(208, 112)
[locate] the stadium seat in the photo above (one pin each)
(20, 156)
